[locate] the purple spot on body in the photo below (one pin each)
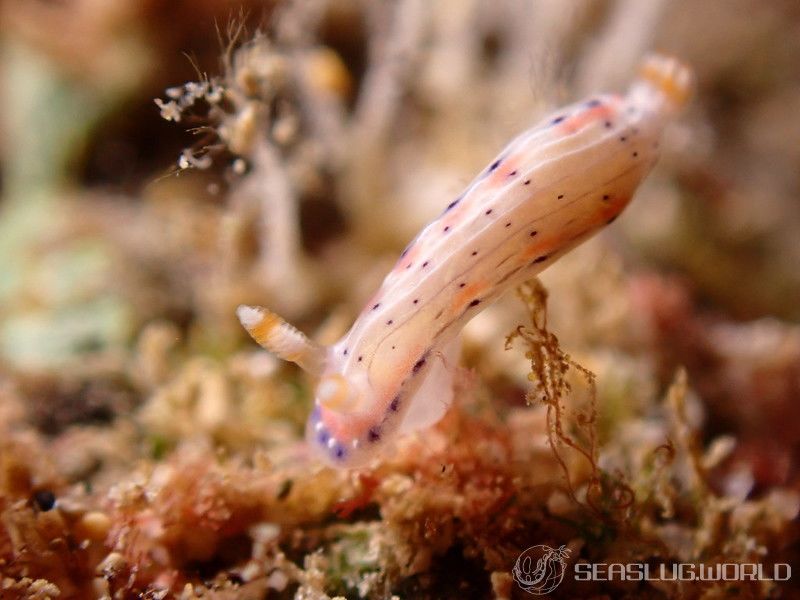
(395, 404)
(453, 204)
(527, 182)
(514, 172)
(416, 300)
(374, 434)
(376, 305)
(557, 120)
(539, 259)
(560, 196)
(339, 451)
(606, 197)
(474, 303)
(593, 102)
(635, 154)
(461, 285)
(345, 352)
(389, 322)
(425, 264)
(446, 229)
(360, 358)
(418, 365)
(474, 253)
(508, 224)
(534, 233)
(608, 124)
(494, 165)
(323, 436)
(488, 212)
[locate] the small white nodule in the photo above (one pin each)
(249, 316)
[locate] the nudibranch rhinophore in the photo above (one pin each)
(547, 191)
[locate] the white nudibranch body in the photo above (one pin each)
(551, 188)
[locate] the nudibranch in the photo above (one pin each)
(550, 189)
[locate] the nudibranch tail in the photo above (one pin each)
(272, 333)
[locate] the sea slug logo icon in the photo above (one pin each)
(540, 569)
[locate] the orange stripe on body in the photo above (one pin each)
(614, 207)
(575, 122)
(540, 247)
(466, 295)
(501, 173)
(452, 216)
(409, 258)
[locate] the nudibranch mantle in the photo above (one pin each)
(550, 189)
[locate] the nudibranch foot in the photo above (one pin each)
(435, 395)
